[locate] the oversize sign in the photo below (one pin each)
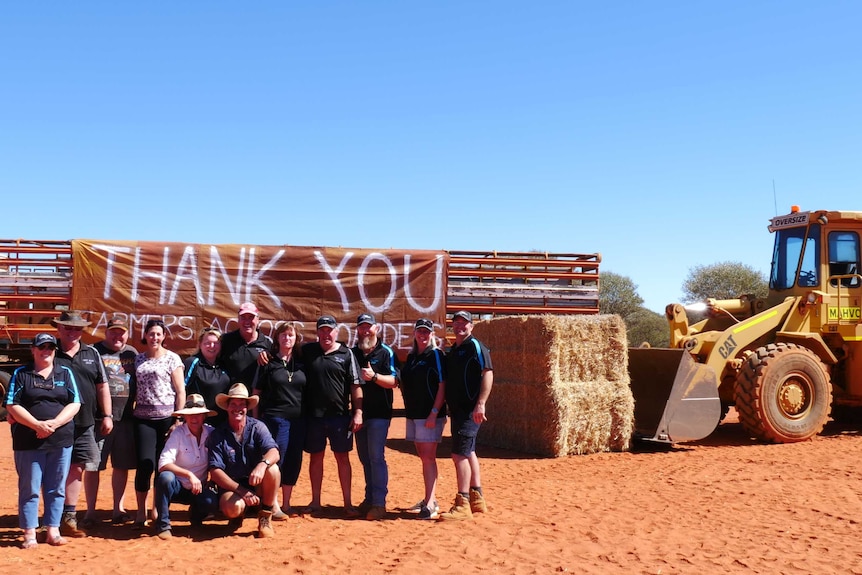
(191, 286)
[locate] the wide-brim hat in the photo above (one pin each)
(71, 318)
(195, 405)
(236, 391)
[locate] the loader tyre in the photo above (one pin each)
(783, 393)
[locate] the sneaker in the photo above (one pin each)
(477, 502)
(417, 507)
(376, 513)
(430, 511)
(264, 525)
(69, 525)
(459, 511)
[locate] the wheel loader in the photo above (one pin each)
(784, 361)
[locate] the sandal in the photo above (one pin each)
(121, 519)
(58, 541)
(29, 543)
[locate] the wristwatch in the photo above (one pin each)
(374, 378)
(435, 411)
(266, 462)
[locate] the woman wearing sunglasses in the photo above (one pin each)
(42, 401)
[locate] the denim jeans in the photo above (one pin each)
(42, 470)
(289, 434)
(169, 488)
(371, 446)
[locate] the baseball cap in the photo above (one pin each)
(463, 314)
(326, 321)
(424, 323)
(248, 307)
(365, 318)
(43, 338)
(117, 322)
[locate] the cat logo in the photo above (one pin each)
(844, 313)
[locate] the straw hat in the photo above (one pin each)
(71, 318)
(236, 391)
(195, 405)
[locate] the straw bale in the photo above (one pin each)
(561, 384)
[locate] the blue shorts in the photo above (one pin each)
(417, 432)
(336, 428)
(464, 431)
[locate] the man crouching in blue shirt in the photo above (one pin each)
(242, 458)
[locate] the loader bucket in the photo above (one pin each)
(676, 398)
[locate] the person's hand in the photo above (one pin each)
(356, 422)
(10, 419)
(197, 487)
(44, 429)
(107, 426)
(256, 475)
(431, 420)
(263, 358)
(479, 413)
(249, 497)
(367, 373)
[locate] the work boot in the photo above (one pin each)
(459, 512)
(376, 513)
(264, 524)
(477, 502)
(69, 525)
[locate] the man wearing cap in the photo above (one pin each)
(378, 372)
(468, 385)
(86, 364)
(245, 347)
(118, 357)
(183, 467)
(334, 407)
(242, 458)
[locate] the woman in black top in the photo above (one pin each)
(423, 387)
(280, 385)
(204, 375)
(41, 403)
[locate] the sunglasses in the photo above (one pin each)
(45, 346)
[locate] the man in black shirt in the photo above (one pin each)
(333, 389)
(86, 365)
(244, 348)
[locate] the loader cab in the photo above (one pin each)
(803, 243)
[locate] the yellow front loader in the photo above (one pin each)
(783, 361)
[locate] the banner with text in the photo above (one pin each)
(191, 286)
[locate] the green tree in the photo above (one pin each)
(618, 294)
(647, 326)
(724, 280)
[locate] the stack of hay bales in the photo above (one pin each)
(561, 384)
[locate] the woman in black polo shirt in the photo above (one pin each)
(42, 401)
(205, 376)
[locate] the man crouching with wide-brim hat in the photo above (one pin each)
(242, 458)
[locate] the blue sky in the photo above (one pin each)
(650, 132)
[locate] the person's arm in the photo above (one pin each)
(484, 391)
(259, 470)
(439, 400)
(104, 393)
(223, 480)
(47, 427)
(179, 386)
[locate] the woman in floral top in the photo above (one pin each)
(160, 391)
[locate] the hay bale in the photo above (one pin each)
(561, 384)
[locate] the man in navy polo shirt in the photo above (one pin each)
(334, 400)
(378, 370)
(468, 385)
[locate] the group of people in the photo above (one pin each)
(224, 429)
